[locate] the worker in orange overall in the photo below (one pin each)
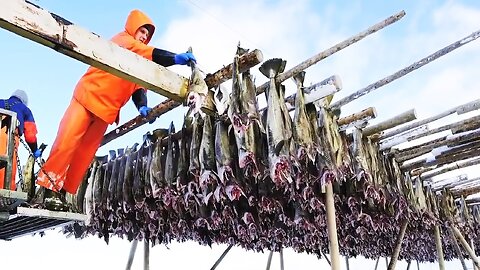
(96, 103)
(26, 126)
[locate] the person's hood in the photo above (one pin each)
(137, 19)
(21, 95)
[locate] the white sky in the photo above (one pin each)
(293, 30)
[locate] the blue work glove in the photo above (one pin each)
(37, 153)
(184, 58)
(144, 111)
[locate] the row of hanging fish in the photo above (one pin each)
(245, 176)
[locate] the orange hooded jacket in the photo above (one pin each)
(104, 94)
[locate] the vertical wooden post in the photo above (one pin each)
(221, 257)
(408, 265)
(465, 245)
(332, 228)
(347, 262)
(131, 256)
(146, 255)
(281, 259)
(457, 248)
(438, 244)
(326, 258)
(269, 261)
(376, 264)
(398, 245)
(475, 267)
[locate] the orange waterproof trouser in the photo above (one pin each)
(3, 151)
(78, 138)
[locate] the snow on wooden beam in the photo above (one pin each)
(428, 173)
(401, 138)
(465, 108)
(357, 119)
(402, 118)
(39, 25)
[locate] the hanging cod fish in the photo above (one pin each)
(277, 134)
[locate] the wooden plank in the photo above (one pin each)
(39, 25)
(451, 167)
(403, 137)
(315, 92)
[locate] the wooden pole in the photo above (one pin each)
(465, 245)
(332, 228)
(398, 245)
(146, 255)
(269, 261)
(245, 61)
(406, 70)
(450, 167)
(357, 118)
(475, 267)
(468, 107)
(401, 138)
(347, 263)
(376, 264)
(335, 48)
(281, 259)
(315, 92)
(326, 258)
(457, 247)
(438, 245)
(392, 122)
(408, 265)
(221, 257)
(418, 150)
(131, 255)
(470, 122)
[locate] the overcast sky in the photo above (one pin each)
(292, 30)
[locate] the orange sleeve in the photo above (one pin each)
(30, 132)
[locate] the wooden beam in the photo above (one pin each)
(406, 70)
(450, 167)
(398, 245)
(269, 261)
(421, 149)
(465, 245)
(131, 255)
(315, 92)
(389, 123)
(39, 25)
(457, 248)
(335, 48)
(402, 138)
(219, 260)
(465, 108)
(146, 255)
(332, 227)
(457, 127)
(246, 62)
(357, 118)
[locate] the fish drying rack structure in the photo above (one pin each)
(264, 180)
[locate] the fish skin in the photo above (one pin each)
(28, 185)
(171, 160)
(197, 132)
(98, 184)
(223, 154)
(302, 134)
(89, 193)
(128, 202)
(157, 181)
(138, 187)
(182, 170)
